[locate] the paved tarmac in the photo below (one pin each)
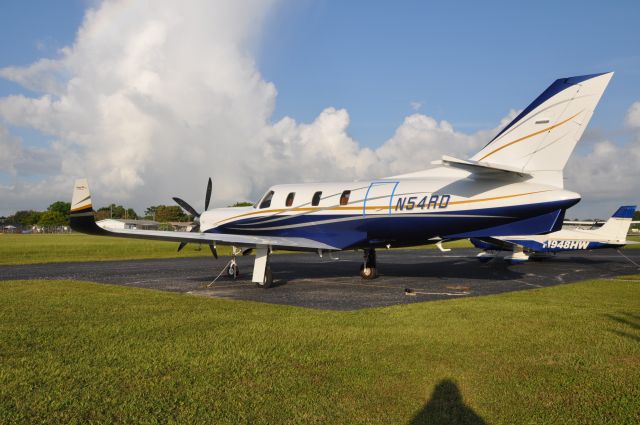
(306, 280)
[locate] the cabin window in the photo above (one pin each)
(266, 201)
(289, 200)
(316, 199)
(344, 198)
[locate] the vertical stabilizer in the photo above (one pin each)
(541, 138)
(617, 227)
(81, 199)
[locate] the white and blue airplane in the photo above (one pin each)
(612, 234)
(514, 185)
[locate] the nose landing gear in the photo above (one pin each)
(232, 270)
(368, 268)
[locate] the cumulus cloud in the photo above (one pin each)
(151, 99)
(607, 175)
(633, 116)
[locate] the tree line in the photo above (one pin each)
(57, 214)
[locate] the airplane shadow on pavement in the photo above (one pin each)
(446, 407)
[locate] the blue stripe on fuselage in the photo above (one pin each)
(354, 230)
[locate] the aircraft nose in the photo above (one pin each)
(219, 216)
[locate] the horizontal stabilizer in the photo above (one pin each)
(481, 168)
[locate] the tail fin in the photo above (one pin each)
(81, 199)
(541, 138)
(617, 227)
(81, 215)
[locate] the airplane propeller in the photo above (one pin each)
(196, 216)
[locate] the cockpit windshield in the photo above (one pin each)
(266, 200)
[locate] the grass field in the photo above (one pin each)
(54, 248)
(77, 352)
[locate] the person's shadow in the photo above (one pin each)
(446, 407)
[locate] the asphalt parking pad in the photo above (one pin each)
(305, 280)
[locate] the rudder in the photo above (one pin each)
(540, 140)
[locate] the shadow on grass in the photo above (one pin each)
(446, 407)
(631, 323)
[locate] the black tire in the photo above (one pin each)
(267, 281)
(367, 273)
(233, 271)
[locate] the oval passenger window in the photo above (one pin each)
(290, 198)
(316, 199)
(344, 198)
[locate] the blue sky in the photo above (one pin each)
(466, 62)
(469, 62)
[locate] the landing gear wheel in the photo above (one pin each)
(267, 281)
(368, 268)
(367, 272)
(233, 271)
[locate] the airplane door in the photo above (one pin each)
(379, 198)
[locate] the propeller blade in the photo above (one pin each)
(214, 251)
(207, 196)
(182, 245)
(247, 251)
(188, 208)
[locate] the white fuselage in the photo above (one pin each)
(392, 211)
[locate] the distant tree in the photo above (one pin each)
(242, 204)
(62, 208)
(150, 212)
(103, 213)
(117, 212)
(636, 216)
(25, 218)
(53, 219)
(164, 213)
(131, 214)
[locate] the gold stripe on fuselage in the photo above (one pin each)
(377, 207)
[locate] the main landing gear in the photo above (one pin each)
(368, 268)
(262, 276)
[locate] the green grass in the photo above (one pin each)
(55, 248)
(77, 352)
(52, 248)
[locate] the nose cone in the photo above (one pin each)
(218, 217)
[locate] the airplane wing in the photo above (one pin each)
(277, 242)
(82, 219)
